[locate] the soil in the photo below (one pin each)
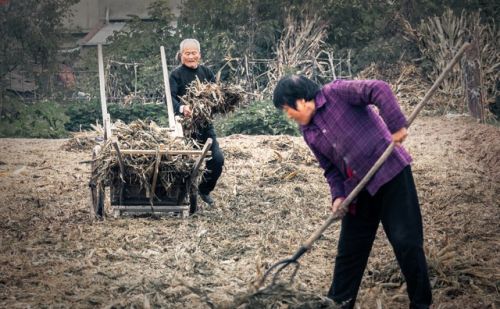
(271, 197)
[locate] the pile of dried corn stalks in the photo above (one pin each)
(84, 140)
(207, 99)
(297, 51)
(139, 168)
(408, 84)
(438, 39)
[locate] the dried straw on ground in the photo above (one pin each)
(139, 169)
(84, 140)
(53, 255)
(207, 99)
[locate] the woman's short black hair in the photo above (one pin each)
(291, 88)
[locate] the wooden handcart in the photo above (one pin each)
(127, 196)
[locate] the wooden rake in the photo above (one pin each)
(293, 260)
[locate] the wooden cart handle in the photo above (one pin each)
(204, 152)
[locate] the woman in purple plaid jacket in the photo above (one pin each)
(347, 135)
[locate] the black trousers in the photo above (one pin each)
(214, 165)
(396, 206)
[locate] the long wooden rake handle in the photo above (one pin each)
(332, 218)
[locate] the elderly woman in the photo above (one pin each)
(347, 136)
(180, 78)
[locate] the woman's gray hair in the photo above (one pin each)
(189, 42)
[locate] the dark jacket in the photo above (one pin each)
(181, 77)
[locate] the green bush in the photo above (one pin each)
(83, 114)
(48, 119)
(155, 112)
(260, 117)
(45, 119)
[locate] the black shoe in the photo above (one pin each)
(207, 199)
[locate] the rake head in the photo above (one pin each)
(281, 265)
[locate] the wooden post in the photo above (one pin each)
(107, 127)
(122, 167)
(168, 96)
(198, 162)
(179, 131)
(104, 108)
(121, 163)
(332, 65)
(349, 63)
(249, 85)
(471, 69)
(156, 171)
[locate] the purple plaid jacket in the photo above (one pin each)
(346, 131)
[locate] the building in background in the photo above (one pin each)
(93, 21)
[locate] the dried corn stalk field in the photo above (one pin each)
(271, 196)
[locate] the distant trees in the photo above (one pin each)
(143, 38)
(136, 53)
(30, 33)
(253, 27)
(227, 28)
(232, 28)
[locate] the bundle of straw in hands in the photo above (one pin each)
(207, 99)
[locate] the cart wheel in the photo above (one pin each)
(116, 213)
(97, 194)
(193, 200)
(98, 197)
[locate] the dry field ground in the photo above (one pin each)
(271, 197)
